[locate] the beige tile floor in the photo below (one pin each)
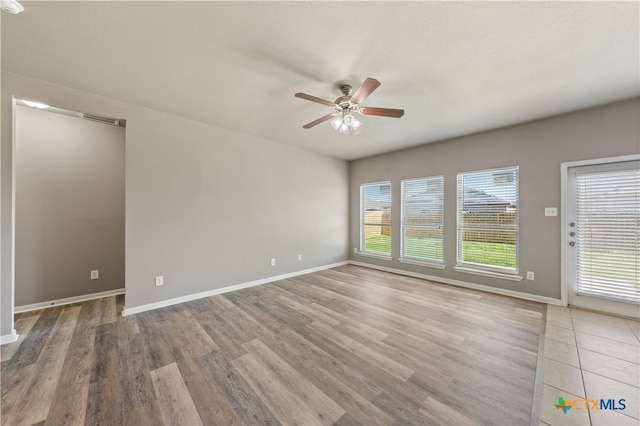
(588, 355)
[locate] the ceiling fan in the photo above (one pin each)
(342, 119)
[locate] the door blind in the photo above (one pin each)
(607, 234)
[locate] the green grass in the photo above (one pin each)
(618, 265)
(423, 248)
(615, 265)
(380, 244)
(496, 254)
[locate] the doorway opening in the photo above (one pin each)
(69, 204)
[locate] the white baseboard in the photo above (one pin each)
(67, 301)
(189, 297)
(9, 338)
(489, 289)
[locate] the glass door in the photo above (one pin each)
(603, 253)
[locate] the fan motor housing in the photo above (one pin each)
(343, 101)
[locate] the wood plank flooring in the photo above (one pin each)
(344, 346)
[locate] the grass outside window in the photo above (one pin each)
(475, 252)
(380, 244)
(622, 267)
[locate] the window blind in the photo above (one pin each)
(607, 234)
(422, 203)
(376, 218)
(488, 220)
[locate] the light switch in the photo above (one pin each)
(551, 211)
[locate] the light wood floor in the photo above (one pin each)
(344, 346)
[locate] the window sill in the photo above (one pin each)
(491, 274)
(423, 263)
(376, 256)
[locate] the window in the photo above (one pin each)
(375, 219)
(488, 221)
(423, 220)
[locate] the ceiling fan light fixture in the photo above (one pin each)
(11, 6)
(346, 125)
(348, 119)
(336, 122)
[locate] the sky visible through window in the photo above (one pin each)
(501, 184)
(378, 196)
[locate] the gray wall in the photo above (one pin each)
(205, 207)
(538, 148)
(208, 208)
(69, 176)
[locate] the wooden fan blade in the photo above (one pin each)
(318, 121)
(385, 112)
(314, 99)
(367, 87)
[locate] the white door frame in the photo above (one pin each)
(564, 171)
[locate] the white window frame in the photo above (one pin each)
(493, 271)
(436, 263)
(362, 250)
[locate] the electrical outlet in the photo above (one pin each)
(355, 250)
(273, 262)
(299, 257)
(551, 211)
(530, 275)
(95, 274)
(159, 280)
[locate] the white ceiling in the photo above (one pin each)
(455, 67)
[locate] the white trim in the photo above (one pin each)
(68, 300)
(489, 289)
(487, 273)
(186, 298)
(564, 172)
(375, 256)
(592, 161)
(422, 263)
(12, 271)
(9, 338)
